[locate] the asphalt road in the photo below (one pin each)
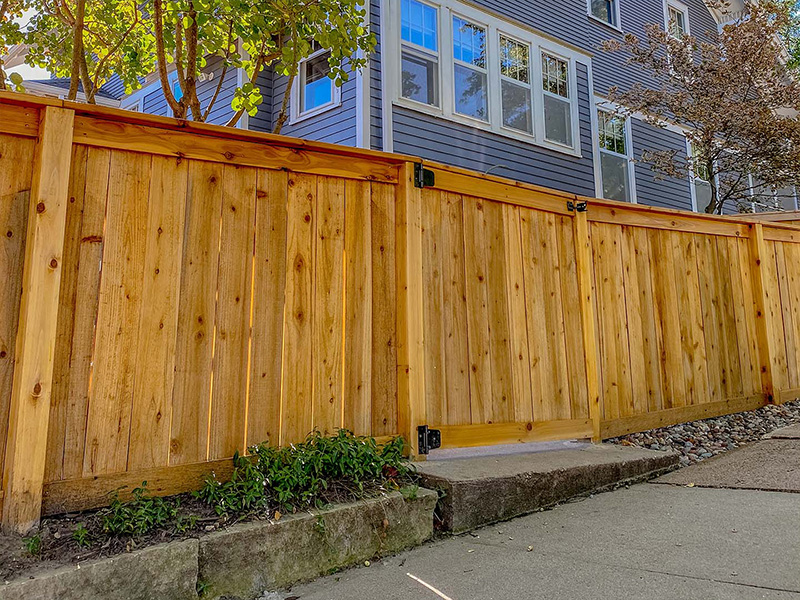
(650, 541)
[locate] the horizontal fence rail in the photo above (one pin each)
(176, 292)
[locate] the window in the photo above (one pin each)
(676, 17)
(605, 11)
(701, 181)
(614, 156)
(316, 87)
(515, 84)
(420, 52)
(454, 61)
(177, 91)
(470, 76)
(557, 108)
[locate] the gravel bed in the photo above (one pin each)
(699, 440)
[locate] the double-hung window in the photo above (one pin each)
(676, 15)
(454, 61)
(614, 156)
(606, 11)
(469, 70)
(316, 86)
(557, 104)
(515, 84)
(419, 32)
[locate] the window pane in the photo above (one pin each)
(786, 198)
(611, 130)
(702, 194)
(517, 111)
(555, 75)
(514, 60)
(469, 43)
(420, 79)
(177, 90)
(317, 89)
(604, 10)
(418, 24)
(615, 177)
(471, 92)
(677, 22)
(557, 121)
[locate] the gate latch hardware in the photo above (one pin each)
(576, 206)
(423, 177)
(428, 439)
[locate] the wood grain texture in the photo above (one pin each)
(191, 399)
(29, 409)
(232, 338)
(298, 352)
(269, 284)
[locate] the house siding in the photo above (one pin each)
(442, 140)
(667, 192)
(153, 101)
(262, 121)
(375, 85)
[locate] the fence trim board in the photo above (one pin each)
(29, 414)
(488, 434)
(683, 414)
(19, 120)
(785, 396)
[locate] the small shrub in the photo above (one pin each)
(139, 516)
(312, 473)
(33, 544)
(81, 536)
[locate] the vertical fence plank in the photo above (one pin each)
(15, 188)
(455, 313)
(196, 315)
(26, 446)
(583, 260)
(297, 400)
(433, 307)
(475, 251)
(515, 284)
(269, 285)
(158, 322)
(232, 341)
(384, 317)
(762, 292)
(410, 338)
(750, 380)
(329, 305)
(117, 341)
(358, 316)
(499, 321)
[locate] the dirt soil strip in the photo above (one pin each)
(770, 465)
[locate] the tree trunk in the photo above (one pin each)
(77, 51)
(283, 116)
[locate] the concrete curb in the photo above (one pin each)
(242, 562)
(484, 490)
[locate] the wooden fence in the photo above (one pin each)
(176, 292)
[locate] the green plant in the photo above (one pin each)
(322, 468)
(138, 516)
(184, 523)
(33, 544)
(81, 536)
(201, 587)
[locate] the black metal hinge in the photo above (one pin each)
(576, 206)
(428, 439)
(423, 177)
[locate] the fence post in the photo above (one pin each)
(26, 445)
(764, 326)
(583, 259)
(410, 358)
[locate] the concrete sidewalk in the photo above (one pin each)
(649, 541)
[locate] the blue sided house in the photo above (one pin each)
(517, 89)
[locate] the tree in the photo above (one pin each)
(89, 41)
(736, 97)
(11, 12)
(253, 35)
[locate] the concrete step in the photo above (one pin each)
(478, 490)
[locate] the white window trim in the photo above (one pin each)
(602, 104)
(617, 16)
(679, 6)
(296, 115)
(495, 27)
(137, 105)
